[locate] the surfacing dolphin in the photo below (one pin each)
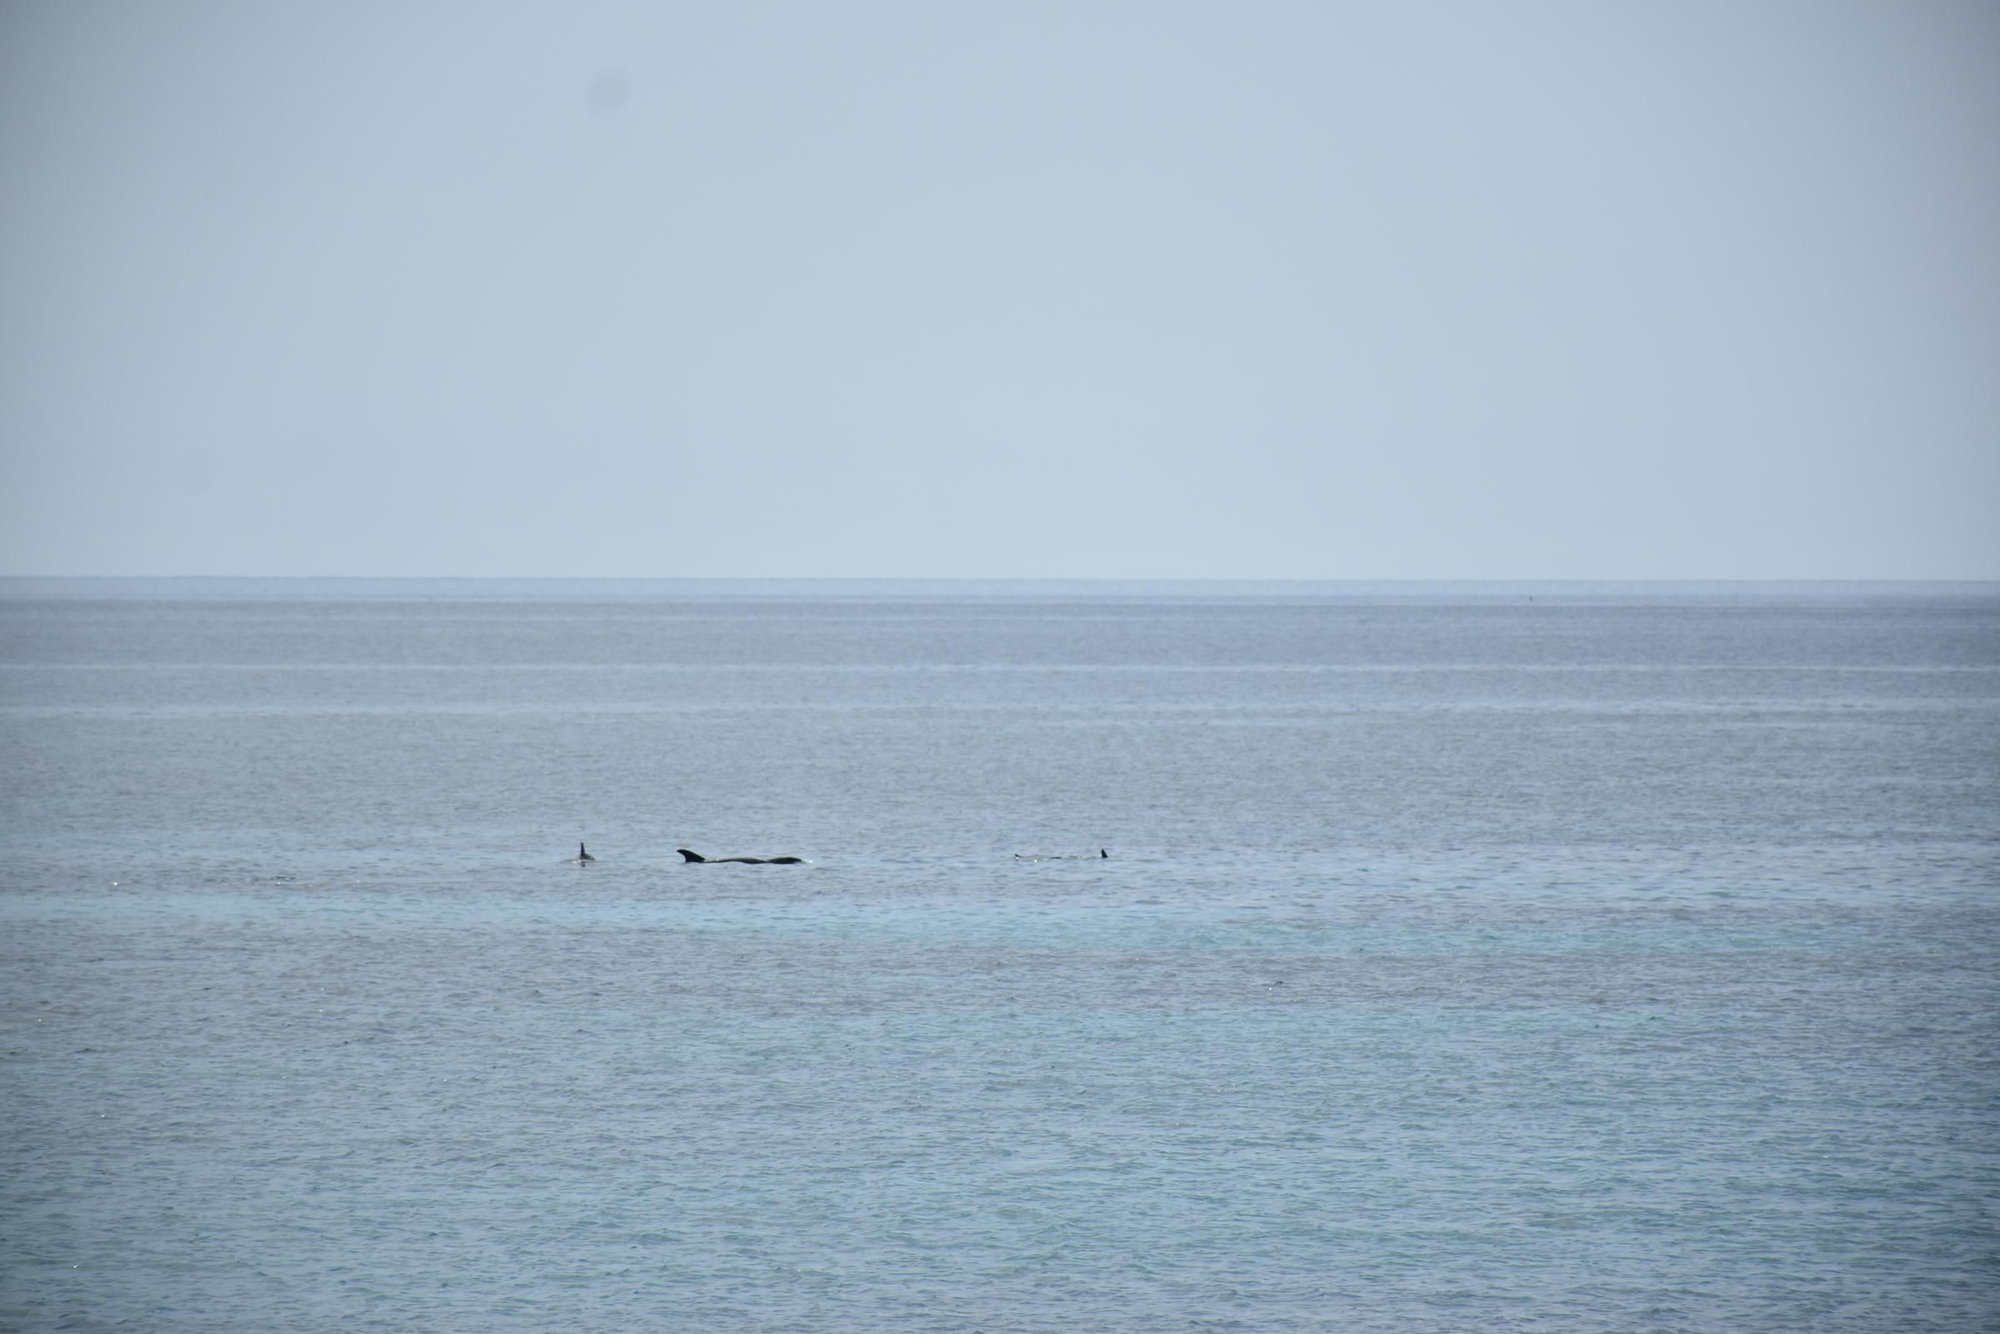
(583, 857)
(1063, 857)
(753, 861)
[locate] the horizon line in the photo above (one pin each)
(996, 579)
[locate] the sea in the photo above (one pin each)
(1259, 957)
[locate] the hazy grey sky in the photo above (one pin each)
(1313, 290)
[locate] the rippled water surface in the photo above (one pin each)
(1481, 957)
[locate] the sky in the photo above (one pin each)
(1699, 289)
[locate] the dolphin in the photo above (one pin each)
(583, 857)
(688, 856)
(1060, 857)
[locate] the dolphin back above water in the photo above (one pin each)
(689, 856)
(583, 857)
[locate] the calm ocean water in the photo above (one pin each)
(1538, 957)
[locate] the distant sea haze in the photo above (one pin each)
(1467, 956)
(316, 588)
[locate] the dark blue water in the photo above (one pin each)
(1542, 957)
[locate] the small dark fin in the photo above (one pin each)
(1102, 854)
(583, 856)
(690, 856)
